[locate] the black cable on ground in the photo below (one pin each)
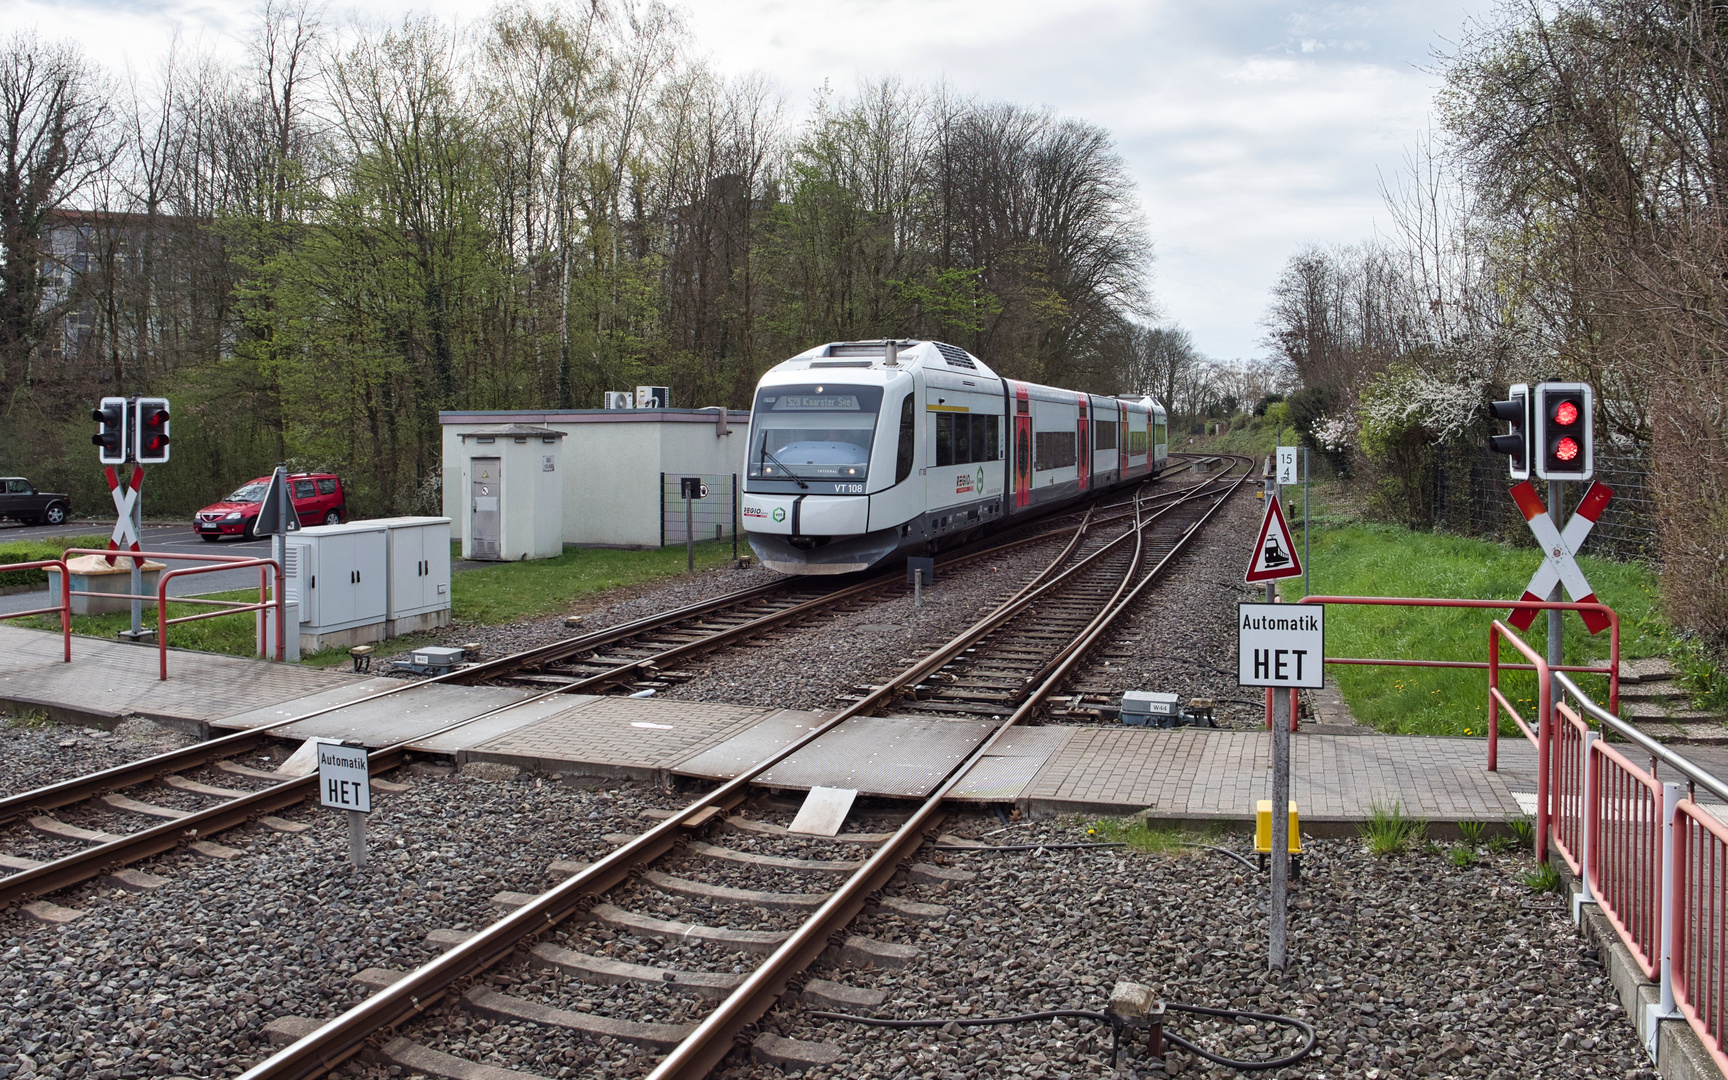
(1237, 1014)
(1116, 1026)
(1237, 855)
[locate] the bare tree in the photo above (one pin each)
(56, 138)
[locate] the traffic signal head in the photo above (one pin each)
(110, 437)
(152, 429)
(1563, 443)
(1516, 442)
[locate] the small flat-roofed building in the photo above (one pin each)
(612, 464)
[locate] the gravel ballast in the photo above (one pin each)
(181, 980)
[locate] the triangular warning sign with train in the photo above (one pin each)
(1275, 552)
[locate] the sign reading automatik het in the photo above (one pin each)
(1280, 645)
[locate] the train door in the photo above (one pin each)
(1022, 447)
(1122, 439)
(1083, 448)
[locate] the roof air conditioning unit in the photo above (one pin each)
(652, 397)
(619, 399)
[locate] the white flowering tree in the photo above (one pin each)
(1405, 415)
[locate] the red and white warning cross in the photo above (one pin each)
(125, 496)
(1559, 552)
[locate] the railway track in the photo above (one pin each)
(101, 823)
(1091, 583)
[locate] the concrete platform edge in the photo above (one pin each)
(1680, 1053)
(658, 777)
(63, 714)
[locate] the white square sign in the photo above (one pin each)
(1281, 645)
(1287, 465)
(344, 779)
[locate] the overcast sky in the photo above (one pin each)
(1252, 127)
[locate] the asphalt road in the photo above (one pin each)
(170, 539)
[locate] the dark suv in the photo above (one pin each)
(20, 501)
(317, 499)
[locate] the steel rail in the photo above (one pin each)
(338, 1039)
(714, 1037)
(82, 866)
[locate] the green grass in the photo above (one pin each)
(1359, 559)
(231, 634)
(511, 591)
(1389, 832)
(507, 592)
(1542, 878)
(1139, 836)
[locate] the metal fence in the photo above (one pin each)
(1470, 497)
(1651, 852)
(714, 516)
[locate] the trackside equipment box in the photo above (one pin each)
(1143, 707)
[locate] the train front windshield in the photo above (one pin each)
(814, 432)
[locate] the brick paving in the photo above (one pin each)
(1182, 774)
(640, 737)
(1191, 773)
(107, 680)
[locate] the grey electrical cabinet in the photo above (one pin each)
(339, 575)
(419, 557)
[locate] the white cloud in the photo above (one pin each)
(1251, 127)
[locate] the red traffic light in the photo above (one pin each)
(1566, 449)
(1566, 414)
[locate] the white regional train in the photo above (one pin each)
(861, 450)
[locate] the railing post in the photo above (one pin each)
(162, 622)
(1544, 760)
(1493, 702)
(66, 607)
(1588, 819)
(1664, 1007)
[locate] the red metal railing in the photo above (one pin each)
(1625, 871)
(209, 564)
(1540, 735)
(1568, 784)
(1654, 860)
(65, 606)
(1700, 919)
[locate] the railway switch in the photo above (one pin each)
(433, 660)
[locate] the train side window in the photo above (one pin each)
(944, 438)
(992, 441)
(1105, 431)
(962, 440)
(908, 441)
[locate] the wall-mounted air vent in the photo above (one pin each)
(956, 357)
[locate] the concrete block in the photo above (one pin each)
(793, 1054)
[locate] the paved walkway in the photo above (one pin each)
(1184, 774)
(107, 680)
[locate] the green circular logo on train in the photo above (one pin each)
(779, 513)
(980, 487)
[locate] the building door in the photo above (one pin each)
(486, 475)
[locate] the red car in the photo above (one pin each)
(317, 498)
